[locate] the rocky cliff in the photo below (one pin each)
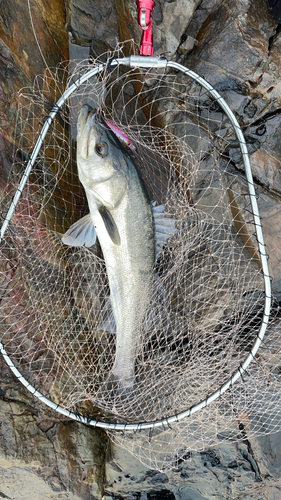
(236, 46)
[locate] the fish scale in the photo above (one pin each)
(129, 269)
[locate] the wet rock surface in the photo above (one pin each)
(89, 21)
(240, 470)
(41, 452)
(236, 46)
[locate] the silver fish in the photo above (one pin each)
(126, 224)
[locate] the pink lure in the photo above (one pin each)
(121, 136)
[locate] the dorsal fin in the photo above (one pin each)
(165, 226)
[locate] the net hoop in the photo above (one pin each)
(147, 63)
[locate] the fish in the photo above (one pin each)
(129, 227)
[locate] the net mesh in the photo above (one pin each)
(211, 301)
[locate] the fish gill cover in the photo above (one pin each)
(202, 307)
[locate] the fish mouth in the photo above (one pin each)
(88, 115)
(90, 125)
(89, 111)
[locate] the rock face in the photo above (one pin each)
(236, 46)
(230, 470)
(93, 20)
(40, 454)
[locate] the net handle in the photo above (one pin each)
(146, 63)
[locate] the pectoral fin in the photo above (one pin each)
(165, 226)
(110, 225)
(81, 233)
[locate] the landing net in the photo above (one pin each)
(202, 366)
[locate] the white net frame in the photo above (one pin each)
(224, 391)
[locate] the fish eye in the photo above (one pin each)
(102, 149)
